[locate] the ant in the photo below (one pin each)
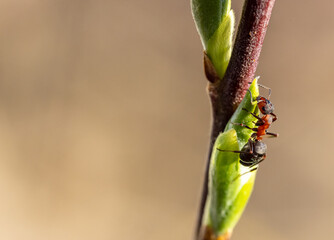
(254, 151)
(263, 123)
(251, 154)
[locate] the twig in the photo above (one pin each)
(226, 94)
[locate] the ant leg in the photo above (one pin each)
(269, 89)
(243, 125)
(221, 150)
(251, 145)
(274, 115)
(251, 150)
(236, 151)
(254, 115)
(240, 175)
(254, 135)
(251, 97)
(256, 163)
(272, 134)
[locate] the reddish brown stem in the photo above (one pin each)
(226, 94)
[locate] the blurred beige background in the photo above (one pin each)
(104, 122)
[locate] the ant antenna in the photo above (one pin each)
(251, 97)
(269, 89)
(252, 100)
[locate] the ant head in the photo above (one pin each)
(260, 148)
(265, 106)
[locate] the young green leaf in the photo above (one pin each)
(228, 190)
(214, 21)
(208, 15)
(241, 116)
(219, 47)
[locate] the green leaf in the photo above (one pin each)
(215, 21)
(219, 47)
(241, 116)
(228, 191)
(208, 15)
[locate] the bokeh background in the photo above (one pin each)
(104, 122)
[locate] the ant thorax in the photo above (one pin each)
(268, 119)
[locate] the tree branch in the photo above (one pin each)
(226, 94)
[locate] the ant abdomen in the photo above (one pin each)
(252, 153)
